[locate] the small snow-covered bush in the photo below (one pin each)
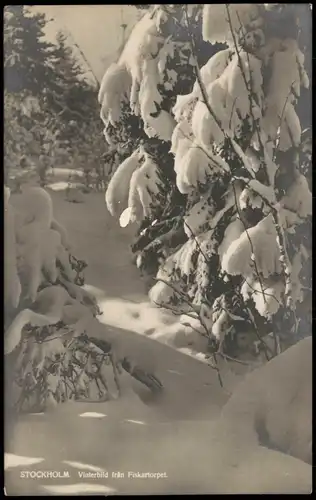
(45, 306)
(50, 320)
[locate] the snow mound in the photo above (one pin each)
(267, 396)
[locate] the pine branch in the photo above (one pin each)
(253, 257)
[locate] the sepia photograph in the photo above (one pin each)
(157, 249)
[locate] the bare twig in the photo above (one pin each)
(178, 292)
(217, 370)
(235, 360)
(176, 313)
(196, 241)
(277, 140)
(115, 372)
(196, 330)
(256, 330)
(248, 85)
(232, 112)
(267, 294)
(186, 301)
(277, 345)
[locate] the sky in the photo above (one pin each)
(95, 28)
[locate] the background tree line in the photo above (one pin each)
(51, 116)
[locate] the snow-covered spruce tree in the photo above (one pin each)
(240, 252)
(55, 348)
(137, 95)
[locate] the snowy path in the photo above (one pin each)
(192, 389)
(115, 281)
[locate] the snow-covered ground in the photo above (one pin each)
(173, 435)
